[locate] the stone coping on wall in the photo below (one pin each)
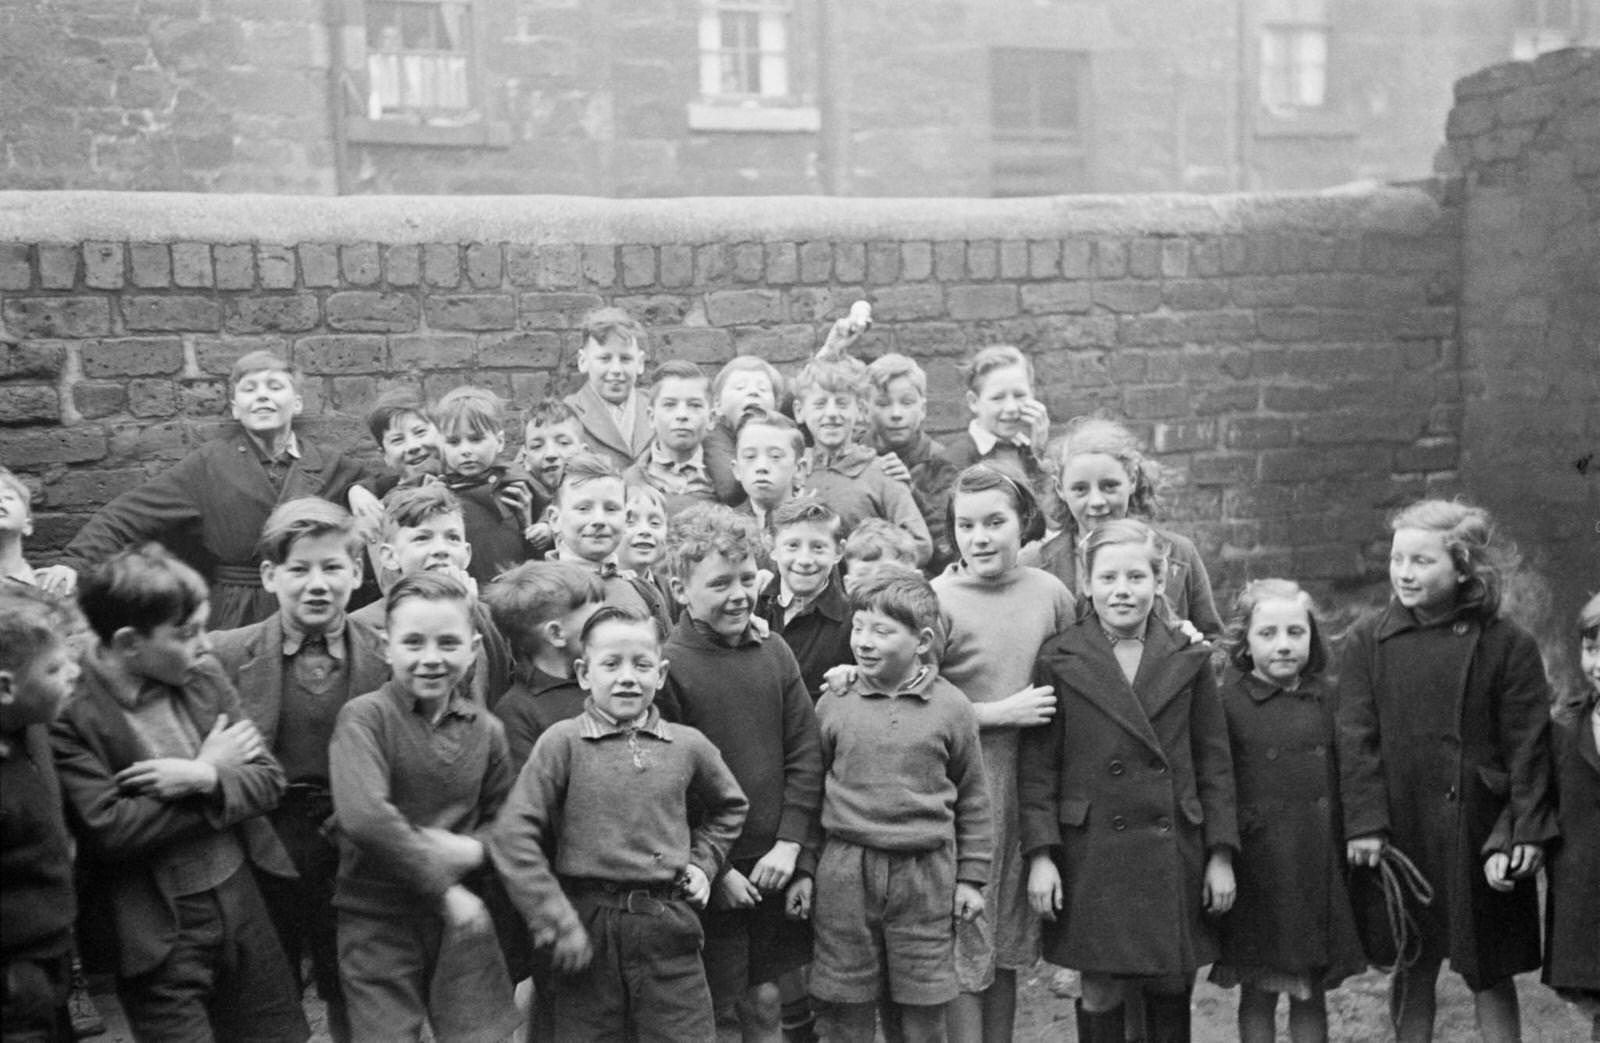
(44, 217)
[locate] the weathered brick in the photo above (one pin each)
(275, 267)
(235, 266)
(1289, 324)
(749, 262)
(1014, 259)
(32, 447)
(402, 265)
(1429, 454)
(1110, 258)
(1144, 257)
(1259, 432)
(1174, 258)
(131, 356)
(849, 262)
(1076, 258)
(94, 401)
(1143, 403)
(522, 350)
(923, 300)
(916, 261)
(1308, 465)
(1194, 294)
(744, 307)
(1046, 298)
(174, 313)
(780, 345)
(365, 311)
(816, 261)
(472, 311)
(1128, 296)
(559, 311)
(431, 351)
(983, 259)
(1187, 328)
(264, 313)
(697, 344)
(1080, 331)
(1361, 425)
(599, 265)
(150, 265)
(441, 265)
(356, 395)
(29, 404)
(1044, 258)
(36, 359)
(555, 266)
(883, 262)
(216, 355)
(319, 264)
(967, 303)
(340, 353)
(655, 309)
(103, 266)
(639, 266)
(68, 317)
(950, 261)
(711, 264)
(152, 398)
(16, 272)
(58, 266)
(93, 488)
(203, 397)
(677, 266)
(1230, 469)
(483, 265)
(822, 304)
(361, 264)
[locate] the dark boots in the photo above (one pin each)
(1166, 1017)
(1104, 1026)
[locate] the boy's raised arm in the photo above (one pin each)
(158, 505)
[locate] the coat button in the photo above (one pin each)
(1161, 769)
(1117, 768)
(1272, 753)
(1318, 750)
(1164, 824)
(1119, 823)
(1460, 629)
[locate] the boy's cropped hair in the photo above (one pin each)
(885, 369)
(141, 587)
(31, 623)
(704, 529)
(877, 539)
(390, 406)
(802, 510)
(614, 614)
(905, 597)
(426, 586)
(523, 599)
(305, 518)
(677, 369)
(548, 412)
(837, 375)
(262, 362)
(748, 364)
(585, 467)
(474, 409)
(773, 419)
(408, 506)
(603, 323)
(9, 480)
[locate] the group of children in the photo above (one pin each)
(665, 719)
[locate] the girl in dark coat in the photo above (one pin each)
(1572, 953)
(1444, 726)
(1291, 929)
(1126, 798)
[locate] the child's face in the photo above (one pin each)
(435, 544)
(431, 645)
(1589, 658)
(805, 554)
(897, 413)
(644, 534)
(1280, 640)
(588, 517)
(613, 366)
(314, 582)
(622, 667)
(744, 390)
(410, 445)
(170, 652)
(720, 592)
(997, 404)
(1123, 585)
(469, 453)
(766, 465)
(1421, 571)
(887, 651)
(830, 416)
(1095, 487)
(681, 413)
(36, 693)
(546, 450)
(265, 402)
(14, 513)
(988, 532)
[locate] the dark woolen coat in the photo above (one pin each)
(1293, 913)
(1442, 728)
(1573, 912)
(1128, 800)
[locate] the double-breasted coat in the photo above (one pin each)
(1442, 729)
(1293, 911)
(1572, 960)
(1129, 787)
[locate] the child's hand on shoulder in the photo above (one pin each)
(1044, 886)
(895, 468)
(797, 898)
(1220, 889)
(776, 867)
(1191, 631)
(694, 885)
(734, 891)
(540, 537)
(838, 678)
(59, 580)
(465, 911)
(968, 903)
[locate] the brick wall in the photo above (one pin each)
(1291, 359)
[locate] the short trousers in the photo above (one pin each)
(749, 947)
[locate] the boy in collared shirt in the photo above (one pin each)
(167, 787)
(906, 817)
(769, 460)
(294, 671)
(744, 690)
(897, 411)
(418, 770)
(808, 607)
(614, 420)
(674, 464)
(588, 518)
(610, 791)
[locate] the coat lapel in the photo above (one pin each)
(260, 680)
(1164, 671)
(367, 658)
(1585, 741)
(595, 416)
(1105, 686)
(305, 476)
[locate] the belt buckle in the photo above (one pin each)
(652, 908)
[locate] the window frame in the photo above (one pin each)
(781, 109)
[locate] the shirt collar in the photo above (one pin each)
(291, 447)
(539, 682)
(917, 685)
(457, 703)
(747, 637)
(661, 457)
(595, 723)
(294, 638)
(829, 602)
(986, 439)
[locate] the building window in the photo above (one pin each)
(1038, 114)
(744, 51)
(1294, 56)
(1545, 25)
(419, 60)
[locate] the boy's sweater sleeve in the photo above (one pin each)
(802, 763)
(974, 812)
(498, 776)
(1362, 786)
(1213, 764)
(900, 508)
(1523, 709)
(1039, 778)
(723, 805)
(358, 770)
(525, 829)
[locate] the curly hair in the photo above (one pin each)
(1101, 435)
(704, 529)
(1236, 634)
(1470, 537)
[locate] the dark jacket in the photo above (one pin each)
(1442, 728)
(1187, 590)
(1128, 801)
(931, 478)
(125, 839)
(962, 453)
(1572, 915)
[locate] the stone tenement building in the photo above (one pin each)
(743, 97)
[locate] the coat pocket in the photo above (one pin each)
(1074, 812)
